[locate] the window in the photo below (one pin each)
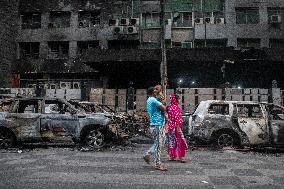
(151, 45)
(59, 19)
(182, 19)
(276, 43)
(123, 44)
(86, 45)
(28, 106)
(88, 19)
(31, 20)
(275, 13)
(58, 49)
(219, 109)
(29, 50)
(57, 107)
(211, 43)
(247, 15)
(248, 43)
(249, 110)
(150, 20)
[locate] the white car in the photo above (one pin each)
(238, 123)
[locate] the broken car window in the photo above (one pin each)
(249, 110)
(28, 106)
(277, 113)
(56, 107)
(219, 109)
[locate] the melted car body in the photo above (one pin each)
(50, 120)
(238, 123)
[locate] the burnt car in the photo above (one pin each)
(238, 124)
(124, 125)
(52, 120)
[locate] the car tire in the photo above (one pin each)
(94, 138)
(7, 139)
(225, 140)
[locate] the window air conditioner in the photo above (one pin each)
(198, 21)
(52, 86)
(76, 85)
(124, 21)
(169, 22)
(32, 86)
(113, 22)
(220, 20)
(134, 21)
(65, 85)
(209, 20)
(132, 30)
(118, 30)
(275, 19)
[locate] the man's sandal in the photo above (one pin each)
(147, 159)
(161, 167)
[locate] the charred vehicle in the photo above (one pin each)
(238, 124)
(124, 125)
(52, 121)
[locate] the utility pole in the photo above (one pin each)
(204, 22)
(163, 68)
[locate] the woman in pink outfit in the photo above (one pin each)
(176, 142)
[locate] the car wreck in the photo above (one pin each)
(124, 125)
(238, 124)
(51, 120)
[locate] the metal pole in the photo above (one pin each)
(205, 33)
(164, 75)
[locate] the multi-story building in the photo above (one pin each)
(96, 43)
(8, 33)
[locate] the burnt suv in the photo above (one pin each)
(238, 124)
(51, 121)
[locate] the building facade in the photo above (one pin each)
(72, 43)
(8, 33)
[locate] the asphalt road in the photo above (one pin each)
(115, 168)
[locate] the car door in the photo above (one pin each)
(24, 119)
(58, 124)
(276, 119)
(253, 122)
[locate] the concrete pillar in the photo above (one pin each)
(275, 93)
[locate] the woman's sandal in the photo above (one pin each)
(161, 167)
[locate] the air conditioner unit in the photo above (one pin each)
(220, 20)
(32, 86)
(113, 22)
(198, 20)
(124, 22)
(169, 22)
(52, 86)
(275, 19)
(118, 30)
(76, 85)
(209, 20)
(134, 21)
(65, 85)
(132, 30)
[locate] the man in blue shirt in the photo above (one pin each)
(156, 110)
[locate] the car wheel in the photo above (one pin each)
(7, 139)
(95, 139)
(225, 140)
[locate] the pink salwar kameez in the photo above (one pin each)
(176, 142)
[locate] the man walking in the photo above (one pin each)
(156, 110)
